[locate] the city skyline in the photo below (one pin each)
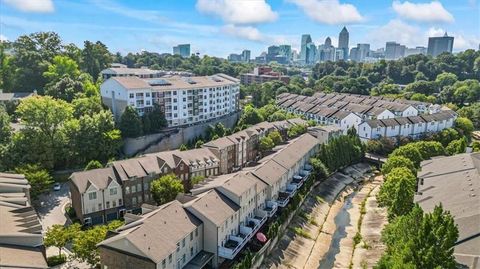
(157, 27)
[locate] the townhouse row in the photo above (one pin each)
(216, 220)
(414, 126)
(347, 110)
(105, 194)
(183, 100)
(21, 239)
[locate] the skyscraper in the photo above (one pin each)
(394, 51)
(343, 42)
(328, 42)
(326, 52)
(438, 45)
(306, 39)
(286, 50)
(182, 50)
(246, 56)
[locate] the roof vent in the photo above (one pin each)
(159, 82)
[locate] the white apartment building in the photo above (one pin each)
(184, 100)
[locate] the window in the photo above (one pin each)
(131, 95)
(92, 195)
(108, 205)
(139, 187)
(113, 191)
(119, 202)
(170, 259)
(114, 203)
(145, 186)
(191, 252)
(127, 190)
(183, 258)
(183, 242)
(164, 264)
(99, 206)
(178, 247)
(134, 189)
(196, 232)
(147, 94)
(134, 200)
(191, 236)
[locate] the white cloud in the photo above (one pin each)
(423, 12)
(396, 30)
(329, 11)
(238, 11)
(245, 32)
(38, 6)
(3, 38)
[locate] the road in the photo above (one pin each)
(51, 207)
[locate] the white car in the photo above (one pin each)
(57, 186)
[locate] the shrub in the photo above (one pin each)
(456, 146)
(56, 260)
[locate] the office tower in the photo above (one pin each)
(246, 56)
(354, 54)
(363, 52)
(286, 51)
(182, 50)
(416, 50)
(234, 57)
(394, 51)
(343, 42)
(439, 45)
(272, 53)
(306, 39)
(339, 54)
(311, 53)
(326, 52)
(328, 42)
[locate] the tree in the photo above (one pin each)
(397, 192)
(471, 112)
(464, 125)
(276, 137)
(42, 140)
(56, 236)
(95, 58)
(183, 147)
(93, 164)
(250, 116)
(166, 188)
(199, 144)
(419, 240)
(93, 137)
(157, 119)
(65, 88)
(39, 179)
(5, 129)
(429, 149)
(319, 169)
(410, 152)
(456, 146)
(396, 162)
(86, 106)
(32, 54)
(84, 245)
(130, 123)
(266, 144)
(61, 66)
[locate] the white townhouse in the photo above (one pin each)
(275, 176)
(414, 126)
(346, 120)
(96, 195)
(184, 100)
(167, 237)
(221, 222)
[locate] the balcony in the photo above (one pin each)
(291, 189)
(297, 181)
(271, 208)
(261, 216)
(283, 199)
(308, 167)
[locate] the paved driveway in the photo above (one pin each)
(51, 207)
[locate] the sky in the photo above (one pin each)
(221, 27)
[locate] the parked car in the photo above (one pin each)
(57, 186)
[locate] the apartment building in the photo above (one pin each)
(184, 100)
(224, 150)
(413, 127)
(262, 74)
(230, 209)
(21, 239)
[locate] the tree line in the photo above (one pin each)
(414, 239)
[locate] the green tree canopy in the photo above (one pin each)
(166, 188)
(276, 137)
(410, 152)
(93, 164)
(5, 129)
(396, 162)
(266, 144)
(397, 192)
(464, 125)
(39, 179)
(61, 66)
(130, 123)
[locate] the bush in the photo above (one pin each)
(464, 125)
(93, 164)
(56, 260)
(410, 152)
(429, 149)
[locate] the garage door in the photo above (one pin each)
(97, 220)
(112, 216)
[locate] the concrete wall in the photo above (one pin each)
(173, 138)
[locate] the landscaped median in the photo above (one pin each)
(302, 223)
